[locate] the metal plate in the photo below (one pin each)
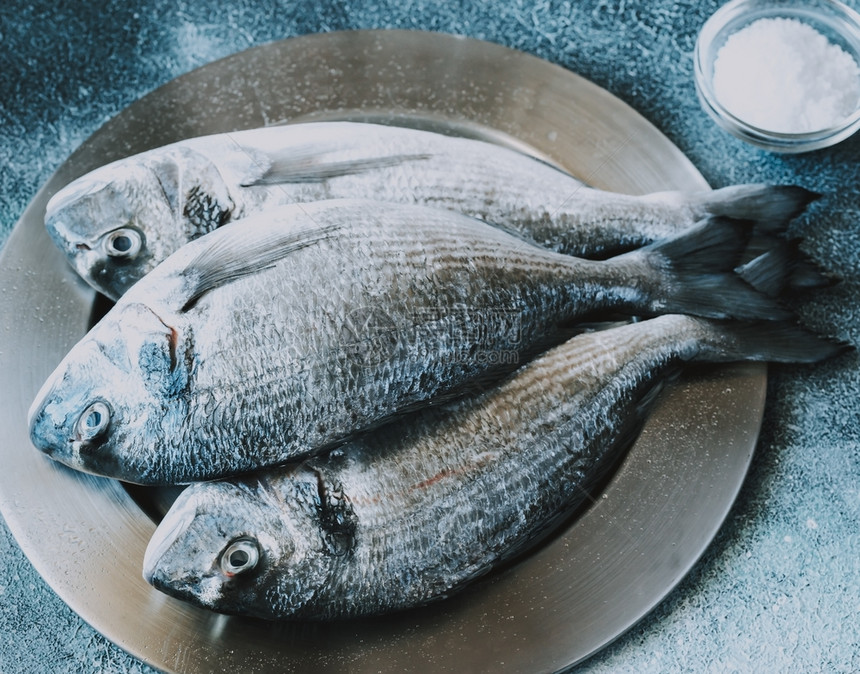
(87, 535)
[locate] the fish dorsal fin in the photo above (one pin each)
(235, 252)
(315, 163)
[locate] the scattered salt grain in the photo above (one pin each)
(782, 75)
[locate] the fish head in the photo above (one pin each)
(118, 222)
(235, 547)
(111, 402)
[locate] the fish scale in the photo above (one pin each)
(451, 302)
(425, 505)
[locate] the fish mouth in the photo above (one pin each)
(165, 570)
(80, 253)
(172, 585)
(200, 592)
(47, 436)
(51, 435)
(174, 524)
(54, 443)
(169, 586)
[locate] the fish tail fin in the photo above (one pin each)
(808, 276)
(767, 341)
(768, 210)
(695, 274)
(770, 207)
(791, 271)
(783, 268)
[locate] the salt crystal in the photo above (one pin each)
(782, 75)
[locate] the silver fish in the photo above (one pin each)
(417, 509)
(262, 341)
(118, 222)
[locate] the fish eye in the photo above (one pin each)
(93, 421)
(124, 242)
(240, 556)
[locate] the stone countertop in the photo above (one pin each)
(779, 588)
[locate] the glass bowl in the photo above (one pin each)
(838, 23)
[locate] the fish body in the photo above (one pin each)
(415, 510)
(266, 340)
(119, 221)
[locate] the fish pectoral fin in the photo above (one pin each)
(235, 253)
(312, 164)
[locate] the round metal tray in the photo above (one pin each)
(86, 536)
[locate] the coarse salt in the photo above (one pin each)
(783, 75)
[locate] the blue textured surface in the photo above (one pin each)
(779, 589)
